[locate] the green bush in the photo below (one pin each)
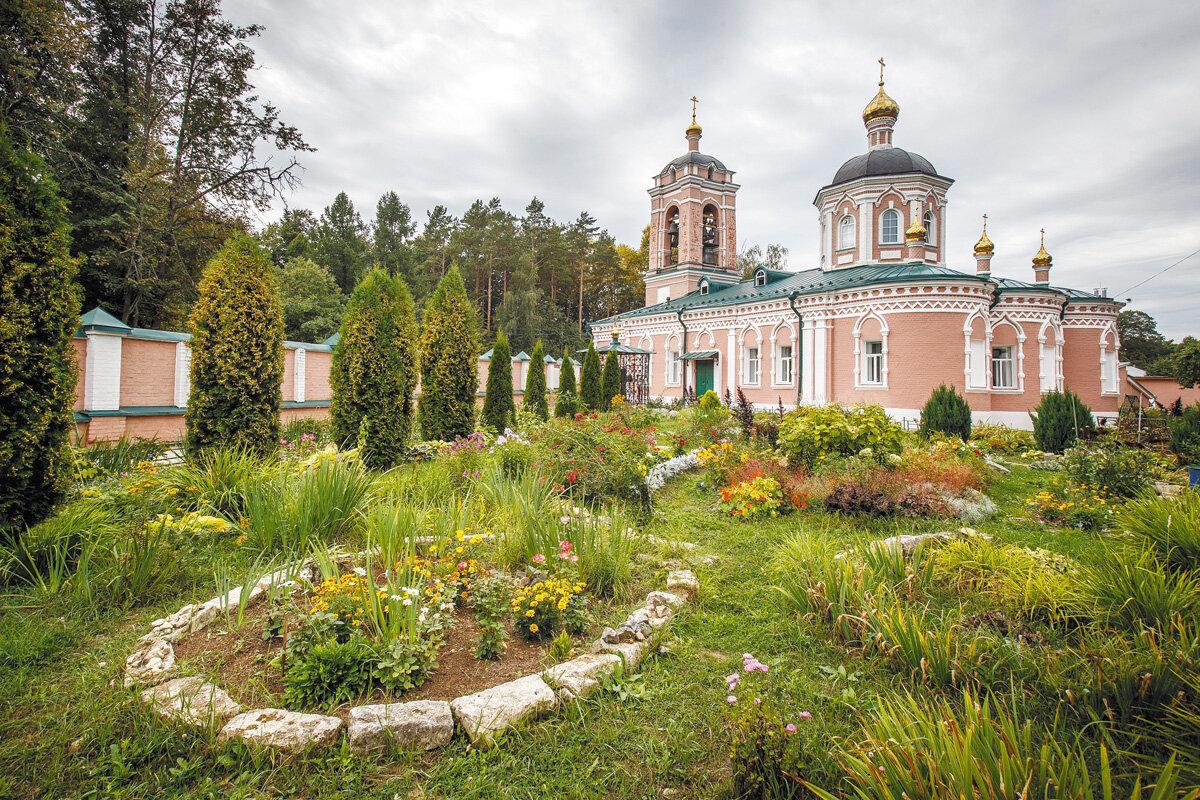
(709, 402)
(39, 314)
(610, 381)
(534, 401)
(329, 673)
(589, 380)
(946, 412)
(1132, 589)
(374, 371)
(1001, 438)
(593, 461)
(809, 435)
(449, 362)
(1059, 420)
(1109, 468)
(565, 405)
(110, 458)
(237, 353)
(499, 411)
(404, 663)
(1171, 526)
(1185, 435)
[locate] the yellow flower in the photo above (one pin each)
(533, 628)
(529, 613)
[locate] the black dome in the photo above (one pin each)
(693, 158)
(884, 161)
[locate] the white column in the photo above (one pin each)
(183, 374)
(820, 355)
(731, 362)
(806, 356)
(298, 376)
(102, 374)
(865, 216)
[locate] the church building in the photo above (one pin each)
(882, 319)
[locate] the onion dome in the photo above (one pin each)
(916, 232)
(693, 129)
(1042, 259)
(984, 246)
(881, 106)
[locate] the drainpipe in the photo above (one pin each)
(683, 366)
(799, 359)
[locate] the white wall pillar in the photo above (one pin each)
(183, 374)
(102, 375)
(865, 214)
(731, 361)
(820, 358)
(299, 382)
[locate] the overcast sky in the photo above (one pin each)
(1083, 118)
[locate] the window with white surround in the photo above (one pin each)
(760, 278)
(783, 363)
(750, 366)
(872, 362)
(846, 233)
(889, 227)
(1003, 367)
(929, 222)
(675, 362)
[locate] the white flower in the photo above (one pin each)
(359, 571)
(407, 601)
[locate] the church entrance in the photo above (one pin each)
(704, 377)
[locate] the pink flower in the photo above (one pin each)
(538, 558)
(564, 545)
(572, 558)
(758, 701)
(790, 728)
(462, 565)
(805, 714)
(730, 699)
(564, 519)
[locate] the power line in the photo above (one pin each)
(1160, 272)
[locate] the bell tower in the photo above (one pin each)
(693, 223)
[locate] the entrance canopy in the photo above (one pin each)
(699, 355)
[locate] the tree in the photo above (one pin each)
(39, 314)
(610, 381)
(564, 405)
(946, 412)
(449, 355)
(290, 237)
(373, 371)
(535, 387)
(1187, 363)
(589, 380)
(499, 410)
(1141, 343)
(776, 257)
(312, 305)
(237, 353)
(391, 233)
(339, 242)
(1058, 420)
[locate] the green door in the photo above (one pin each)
(704, 377)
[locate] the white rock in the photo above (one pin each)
(486, 713)
(285, 730)
(192, 700)
(997, 466)
(683, 582)
(580, 676)
(668, 599)
(631, 653)
(153, 662)
(426, 724)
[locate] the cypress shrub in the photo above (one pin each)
(1059, 419)
(610, 381)
(589, 379)
(1185, 435)
(237, 353)
(39, 314)
(946, 412)
(449, 358)
(564, 406)
(374, 371)
(499, 411)
(535, 386)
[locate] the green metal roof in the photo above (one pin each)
(100, 320)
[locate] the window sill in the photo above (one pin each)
(870, 386)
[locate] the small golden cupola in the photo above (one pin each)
(984, 246)
(881, 105)
(693, 131)
(916, 232)
(1041, 264)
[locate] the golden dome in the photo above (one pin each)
(1042, 259)
(984, 246)
(881, 106)
(916, 232)
(693, 129)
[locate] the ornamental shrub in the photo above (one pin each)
(449, 354)
(946, 412)
(1185, 435)
(589, 380)
(564, 406)
(499, 411)
(39, 313)
(374, 371)
(535, 387)
(811, 434)
(1059, 419)
(610, 381)
(237, 353)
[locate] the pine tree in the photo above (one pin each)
(1058, 420)
(374, 370)
(535, 386)
(589, 379)
(39, 313)
(237, 352)
(946, 412)
(499, 411)
(565, 405)
(610, 382)
(449, 355)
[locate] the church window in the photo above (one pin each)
(750, 371)
(674, 175)
(1003, 373)
(710, 173)
(704, 288)
(873, 362)
(675, 365)
(783, 370)
(709, 235)
(846, 233)
(929, 222)
(760, 278)
(889, 227)
(672, 235)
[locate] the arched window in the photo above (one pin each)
(928, 222)
(674, 174)
(846, 233)
(710, 173)
(709, 235)
(672, 235)
(889, 227)
(703, 287)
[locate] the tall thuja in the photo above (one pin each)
(237, 352)
(374, 370)
(449, 355)
(39, 313)
(499, 411)
(610, 381)
(589, 379)
(568, 398)
(946, 412)
(535, 385)
(1059, 420)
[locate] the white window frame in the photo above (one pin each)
(751, 365)
(760, 278)
(674, 367)
(872, 366)
(886, 237)
(998, 362)
(929, 220)
(846, 238)
(784, 365)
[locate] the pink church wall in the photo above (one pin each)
(316, 375)
(147, 372)
(288, 387)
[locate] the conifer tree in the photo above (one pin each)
(535, 386)
(610, 382)
(449, 355)
(946, 412)
(237, 352)
(1059, 419)
(39, 313)
(589, 379)
(564, 406)
(374, 370)
(499, 411)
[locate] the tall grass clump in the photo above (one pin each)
(524, 515)
(1170, 526)
(393, 529)
(821, 585)
(221, 477)
(292, 513)
(605, 546)
(1132, 589)
(119, 455)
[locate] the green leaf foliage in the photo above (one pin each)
(1059, 419)
(449, 358)
(1187, 364)
(374, 370)
(610, 381)
(564, 406)
(589, 379)
(1185, 435)
(946, 412)
(237, 353)
(39, 313)
(535, 385)
(499, 411)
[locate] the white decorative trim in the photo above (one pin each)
(183, 374)
(102, 372)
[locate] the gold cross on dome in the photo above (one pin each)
(881, 70)
(985, 222)
(694, 101)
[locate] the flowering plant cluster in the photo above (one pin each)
(297, 449)
(329, 453)
(194, 522)
(660, 473)
(542, 608)
(1074, 507)
(759, 497)
(766, 746)
(344, 597)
